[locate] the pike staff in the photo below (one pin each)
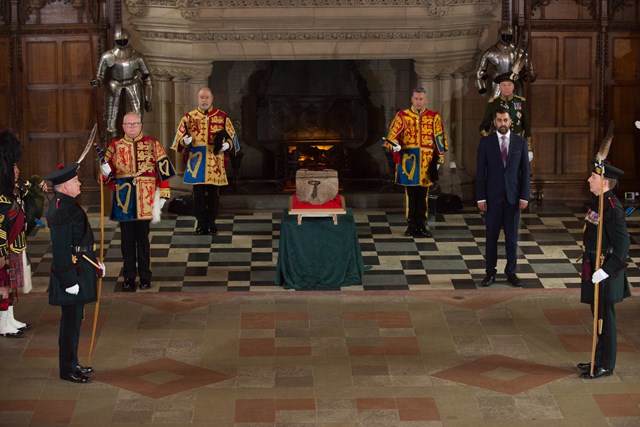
(101, 258)
(597, 314)
(98, 107)
(92, 143)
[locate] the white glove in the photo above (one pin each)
(105, 169)
(103, 269)
(530, 156)
(396, 148)
(187, 139)
(162, 202)
(599, 276)
(225, 146)
(453, 165)
(438, 166)
(73, 290)
(638, 124)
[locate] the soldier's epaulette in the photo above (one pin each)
(521, 98)
(492, 99)
(4, 199)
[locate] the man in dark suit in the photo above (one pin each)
(502, 190)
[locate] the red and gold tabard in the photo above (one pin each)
(12, 244)
(139, 166)
(419, 134)
(202, 164)
(12, 236)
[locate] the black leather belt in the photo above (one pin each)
(81, 249)
(604, 251)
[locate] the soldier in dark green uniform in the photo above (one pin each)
(614, 286)
(518, 111)
(73, 281)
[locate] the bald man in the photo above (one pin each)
(204, 137)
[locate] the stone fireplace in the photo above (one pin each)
(314, 83)
(308, 114)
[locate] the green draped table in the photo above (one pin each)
(318, 254)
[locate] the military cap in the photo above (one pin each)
(606, 169)
(63, 174)
(504, 78)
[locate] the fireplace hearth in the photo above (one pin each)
(310, 114)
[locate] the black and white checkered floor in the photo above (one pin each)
(243, 256)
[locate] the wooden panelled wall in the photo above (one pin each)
(624, 98)
(565, 110)
(569, 115)
(48, 101)
(5, 81)
(58, 102)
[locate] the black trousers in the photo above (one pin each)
(206, 203)
(70, 323)
(506, 217)
(416, 201)
(607, 345)
(136, 247)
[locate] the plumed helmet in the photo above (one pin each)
(121, 36)
(506, 32)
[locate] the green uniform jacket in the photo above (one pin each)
(615, 247)
(517, 106)
(71, 238)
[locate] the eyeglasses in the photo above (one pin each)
(132, 124)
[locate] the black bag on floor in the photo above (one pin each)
(182, 205)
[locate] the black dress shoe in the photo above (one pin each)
(75, 377)
(84, 370)
(18, 334)
(213, 230)
(597, 373)
(26, 326)
(410, 231)
(514, 280)
(584, 366)
(129, 285)
(422, 232)
(145, 285)
(200, 231)
(488, 280)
